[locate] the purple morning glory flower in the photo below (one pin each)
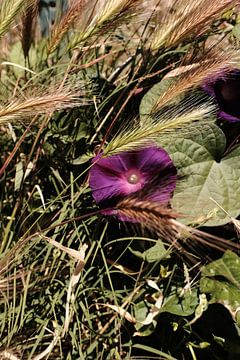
(225, 89)
(149, 171)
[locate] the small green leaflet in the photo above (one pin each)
(221, 279)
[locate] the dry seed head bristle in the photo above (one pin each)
(105, 16)
(40, 105)
(151, 215)
(189, 19)
(88, 18)
(169, 123)
(215, 62)
(162, 221)
(148, 206)
(28, 22)
(63, 26)
(9, 10)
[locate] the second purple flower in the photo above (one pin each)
(225, 89)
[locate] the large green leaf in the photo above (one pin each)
(221, 279)
(203, 176)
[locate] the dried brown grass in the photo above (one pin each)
(162, 221)
(212, 64)
(189, 19)
(28, 25)
(30, 107)
(59, 30)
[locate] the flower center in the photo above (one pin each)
(133, 178)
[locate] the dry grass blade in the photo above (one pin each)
(53, 343)
(215, 62)
(163, 221)
(60, 29)
(189, 19)
(43, 104)
(28, 23)
(9, 9)
(79, 256)
(10, 256)
(11, 283)
(75, 278)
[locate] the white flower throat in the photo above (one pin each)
(133, 178)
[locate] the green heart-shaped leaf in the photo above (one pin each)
(204, 177)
